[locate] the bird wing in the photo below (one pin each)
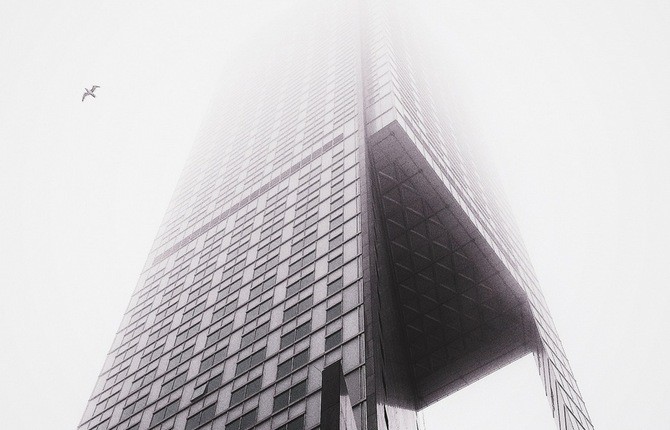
(94, 87)
(84, 96)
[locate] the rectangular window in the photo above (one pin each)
(254, 312)
(134, 407)
(298, 286)
(290, 396)
(295, 334)
(208, 387)
(294, 424)
(335, 262)
(244, 422)
(255, 334)
(248, 390)
(247, 363)
(333, 312)
(333, 340)
(204, 416)
(214, 359)
(173, 384)
(225, 310)
(221, 333)
(293, 363)
(180, 358)
(298, 308)
(335, 286)
(165, 412)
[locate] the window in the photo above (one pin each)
(254, 312)
(219, 334)
(335, 286)
(186, 334)
(244, 422)
(333, 340)
(200, 418)
(335, 241)
(263, 286)
(289, 396)
(173, 383)
(246, 391)
(298, 308)
(298, 286)
(249, 362)
(293, 363)
(180, 358)
(165, 412)
(134, 407)
(254, 334)
(334, 312)
(153, 355)
(214, 359)
(208, 387)
(304, 261)
(225, 310)
(335, 262)
(295, 334)
(197, 310)
(294, 424)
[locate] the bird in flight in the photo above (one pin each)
(89, 92)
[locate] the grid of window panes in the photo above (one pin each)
(254, 282)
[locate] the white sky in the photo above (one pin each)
(571, 100)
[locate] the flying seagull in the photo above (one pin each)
(89, 92)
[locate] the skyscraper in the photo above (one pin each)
(331, 257)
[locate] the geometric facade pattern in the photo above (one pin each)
(331, 258)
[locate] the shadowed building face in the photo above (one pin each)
(327, 219)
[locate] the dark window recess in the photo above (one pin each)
(299, 285)
(335, 242)
(248, 390)
(214, 359)
(208, 387)
(249, 362)
(193, 312)
(225, 311)
(335, 262)
(336, 221)
(180, 358)
(335, 286)
(135, 427)
(295, 334)
(293, 363)
(298, 308)
(254, 312)
(334, 312)
(134, 407)
(219, 334)
(165, 412)
(304, 261)
(200, 418)
(186, 334)
(256, 333)
(333, 340)
(244, 422)
(294, 424)
(289, 396)
(173, 384)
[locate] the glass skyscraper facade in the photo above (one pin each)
(331, 258)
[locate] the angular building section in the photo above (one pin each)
(331, 257)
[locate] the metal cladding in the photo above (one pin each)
(326, 219)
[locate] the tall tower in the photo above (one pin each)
(331, 257)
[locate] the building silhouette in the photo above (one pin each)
(332, 257)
